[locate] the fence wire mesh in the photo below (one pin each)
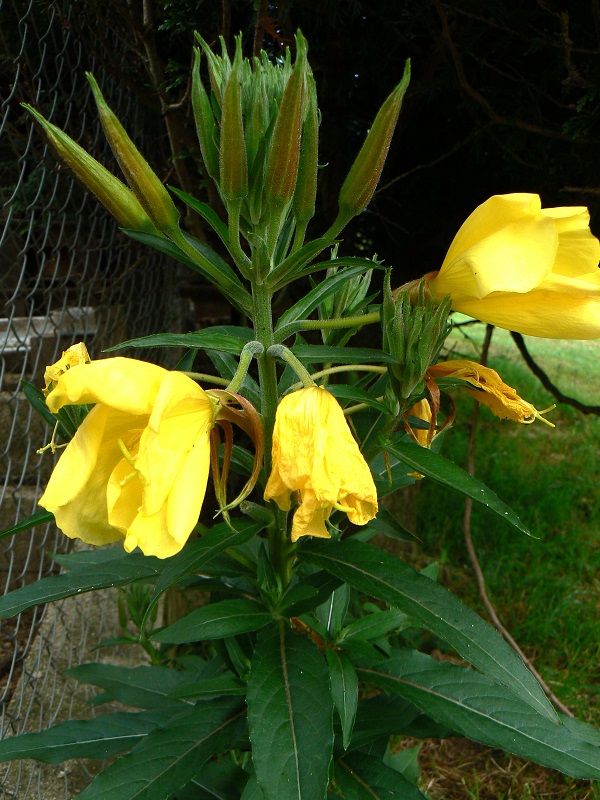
(66, 274)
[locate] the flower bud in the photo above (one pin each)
(232, 157)
(206, 126)
(306, 185)
(359, 186)
(112, 193)
(414, 329)
(145, 184)
(284, 154)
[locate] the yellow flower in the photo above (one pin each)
(422, 411)
(138, 465)
(315, 454)
(490, 390)
(72, 357)
(530, 269)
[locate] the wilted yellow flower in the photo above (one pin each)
(315, 454)
(422, 411)
(72, 357)
(530, 269)
(138, 465)
(490, 390)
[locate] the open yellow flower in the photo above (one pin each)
(489, 389)
(137, 468)
(315, 454)
(530, 269)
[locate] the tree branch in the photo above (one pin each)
(547, 383)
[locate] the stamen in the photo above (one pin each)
(52, 446)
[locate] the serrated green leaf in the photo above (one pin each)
(320, 353)
(484, 711)
(289, 716)
(344, 690)
(104, 736)
(117, 572)
(381, 575)
(363, 777)
(32, 521)
(440, 469)
(143, 686)
(223, 338)
(168, 758)
(216, 621)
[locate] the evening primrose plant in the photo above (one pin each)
(290, 677)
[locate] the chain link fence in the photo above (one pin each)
(66, 274)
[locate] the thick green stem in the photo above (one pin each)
(279, 545)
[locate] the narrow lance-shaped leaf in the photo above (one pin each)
(168, 758)
(290, 716)
(381, 575)
(364, 777)
(476, 707)
(440, 469)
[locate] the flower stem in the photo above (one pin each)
(326, 324)
(281, 351)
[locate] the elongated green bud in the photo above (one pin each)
(206, 126)
(234, 168)
(145, 184)
(306, 184)
(284, 154)
(360, 184)
(112, 193)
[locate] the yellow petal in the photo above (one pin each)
(76, 491)
(124, 383)
(315, 454)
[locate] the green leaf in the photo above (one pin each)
(223, 338)
(168, 758)
(356, 395)
(330, 285)
(206, 212)
(363, 777)
(344, 690)
(406, 762)
(440, 469)
(116, 572)
(286, 270)
(308, 593)
(215, 621)
(344, 261)
(66, 428)
(290, 716)
(217, 780)
(104, 736)
(476, 707)
(143, 686)
(332, 612)
(380, 717)
(32, 521)
(252, 790)
(321, 353)
(381, 575)
(387, 524)
(199, 552)
(374, 625)
(220, 686)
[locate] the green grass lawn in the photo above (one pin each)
(546, 589)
